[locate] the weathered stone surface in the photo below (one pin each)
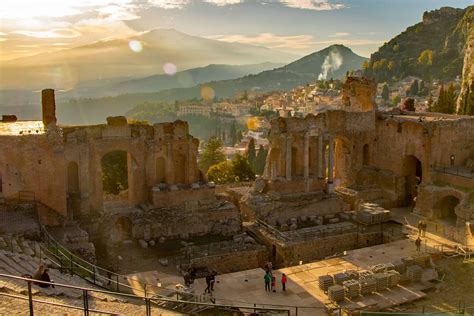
(143, 243)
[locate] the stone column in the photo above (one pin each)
(330, 183)
(288, 157)
(273, 171)
(320, 156)
(306, 156)
(169, 164)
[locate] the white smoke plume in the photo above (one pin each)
(332, 62)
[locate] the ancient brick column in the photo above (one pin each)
(288, 157)
(306, 156)
(330, 184)
(48, 106)
(320, 156)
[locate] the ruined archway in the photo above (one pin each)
(445, 209)
(160, 170)
(115, 165)
(413, 174)
(73, 190)
(275, 168)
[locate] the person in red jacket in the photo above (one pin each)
(283, 281)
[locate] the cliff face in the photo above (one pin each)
(466, 96)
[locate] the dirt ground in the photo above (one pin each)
(456, 289)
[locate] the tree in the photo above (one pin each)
(408, 105)
(396, 99)
(446, 102)
(426, 58)
(212, 154)
(221, 173)
(413, 90)
(260, 160)
(466, 106)
(385, 93)
(242, 169)
(430, 103)
(250, 153)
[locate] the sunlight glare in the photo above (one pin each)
(169, 69)
(207, 93)
(135, 46)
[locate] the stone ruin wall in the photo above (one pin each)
(34, 165)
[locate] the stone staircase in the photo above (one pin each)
(19, 256)
(183, 307)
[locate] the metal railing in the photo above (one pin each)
(138, 300)
(88, 271)
(456, 171)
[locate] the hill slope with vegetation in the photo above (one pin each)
(431, 49)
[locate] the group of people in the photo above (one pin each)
(270, 279)
(210, 281)
(422, 228)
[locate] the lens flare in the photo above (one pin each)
(169, 69)
(135, 46)
(253, 123)
(207, 93)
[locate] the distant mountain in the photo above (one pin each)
(433, 48)
(331, 62)
(115, 58)
(181, 79)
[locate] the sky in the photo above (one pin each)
(300, 27)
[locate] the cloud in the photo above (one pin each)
(339, 34)
(350, 42)
(53, 33)
(269, 40)
(169, 4)
(317, 5)
(223, 2)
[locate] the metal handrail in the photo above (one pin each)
(147, 300)
(85, 266)
(456, 171)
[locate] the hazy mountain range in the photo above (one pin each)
(137, 56)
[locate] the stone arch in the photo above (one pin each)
(179, 166)
(412, 171)
(445, 209)
(116, 167)
(366, 155)
(160, 170)
(275, 166)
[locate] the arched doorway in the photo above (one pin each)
(73, 190)
(413, 173)
(445, 209)
(160, 170)
(123, 227)
(115, 175)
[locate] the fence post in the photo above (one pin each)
(148, 306)
(86, 302)
(117, 283)
(94, 274)
(30, 299)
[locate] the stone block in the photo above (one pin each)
(333, 220)
(151, 242)
(164, 262)
(293, 227)
(173, 187)
(195, 186)
(143, 243)
(284, 227)
(161, 240)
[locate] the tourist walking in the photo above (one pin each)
(213, 280)
(423, 229)
(418, 244)
(273, 283)
(208, 283)
(267, 278)
(283, 281)
(420, 227)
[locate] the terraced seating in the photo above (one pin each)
(19, 256)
